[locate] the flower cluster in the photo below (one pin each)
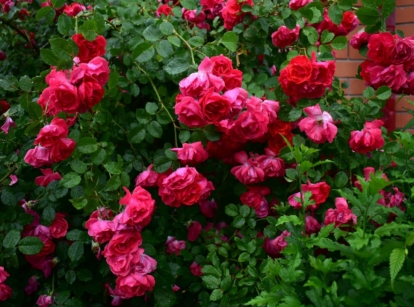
(123, 253)
(44, 260)
(53, 144)
(304, 78)
(284, 37)
(368, 139)
(349, 22)
(390, 62)
(5, 290)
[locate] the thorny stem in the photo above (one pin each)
(162, 104)
(20, 32)
(188, 45)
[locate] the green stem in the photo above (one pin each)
(303, 207)
(8, 173)
(162, 104)
(188, 45)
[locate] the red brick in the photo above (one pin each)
(354, 54)
(342, 54)
(405, 2)
(404, 14)
(346, 68)
(404, 104)
(407, 29)
(402, 119)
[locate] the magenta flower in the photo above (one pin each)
(318, 126)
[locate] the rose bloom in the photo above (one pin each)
(145, 265)
(48, 177)
(223, 66)
(4, 106)
(381, 48)
(233, 80)
(5, 292)
(392, 76)
(312, 225)
(189, 112)
(341, 215)
(284, 37)
(90, 94)
(194, 231)
(7, 124)
(359, 39)
(320, 192)
(254, 196)
(97, 69)
(195, 269)
(62, 150)
(147, 178)
(101, 230)
(3, 274)
(60, 96)
(248, 173)
(275, 246)
(318, 126)
(123, 242)
(44, 300)
(74, 9)
(297, 4)
(299, 69)
(208, 208)
(121, 265)
(38, 156)
(191, 154)
(237, 97)
(174, 246)
(134, 284)
(273, 167)
(368, 139)
(59, 226)
(51, 134)
(139, 207)
(165, 10)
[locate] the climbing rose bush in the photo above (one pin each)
(202, 153)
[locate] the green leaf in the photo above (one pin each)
(8, 198)
(189, 4)
(397, 259)
(244, 211)
(164, 297)
(166, 28)
(184, 136)
(216, 295)
(70, 276)
(211, 282)
(152, 33)
(392, 147)
(289, 219)
(11, 239)
(48, 215)
(239, 222)
(30, 245)
(339, 43)
(383, 93)
(89, 29)
(311, 34)
(341, 179)
(155, 129)
(164, 49)
(368, 16)
(70, 180)
(335, 14)
(78, 166)
(114, 168)
(75, 251)
(35, 110)
(137, 134)
(99, 21)
(58, 3)
(231, 210)
(84, 275)
(43, 12)
(174, 40)
(64, 24)
(87, 145)
(326, 36)
(177, 66)
(49, 57)
(410, 239)
(368, 92)
(388, 6)
(25, 83)
(162, 164)
(79, 203)
(196, 41)
(230, 40)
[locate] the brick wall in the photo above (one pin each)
(349, 59)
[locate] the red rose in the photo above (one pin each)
(249, 172)
(254, 196)
(275, 246)
(214, 106)
(312, 225)
(189, 112)
(381, 48)
(368, 139)
(123, 242)
(404, 50)
(392, 76)
(134, 284)
(5, 292)
(97, 69)
(74, 9)
(59, 226)
(233, 80)
(62, 150)
(191, 154)
(359, 39)
(90, 94)
(121, 265)
(139, 207)
(195, 269)
(299, 69)
(51, 134)
(101, 230)
(165, 10)
(320, 192)
(297, 4)
(194, 231)
(48, 248)
(222, 65)
(250, 126)
(89, 49)
(284, 37)
(4, 106)
(349, 22)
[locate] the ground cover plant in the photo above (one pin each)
(202, 153)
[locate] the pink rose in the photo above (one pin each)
(359, 39)
(174, 246)
(189, 112)
(254, 196)
(74, 9)
(38, 156)
(139, 207)
(5, 292)
(121, 265)
(195, 269)
(123, 242)
(147, 178)
(272, 167)
(275, 246)
(214, 106)
(44, 300)
(312, 225)
(368, 139)
(318, 126)
(284, 37)
(392, 76)
(101, 230)
(48, 177)
(194, 231)
(59, 226)
(7, 124)
(32, 285)
(145, 265)
(3, 274)
(341, 215)
(62, 150)
(263, 210)
(297, 4)
(248, 173)
(208, 208)
(237, 98)
(191, 154)
(134, 284)
(97, 69)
